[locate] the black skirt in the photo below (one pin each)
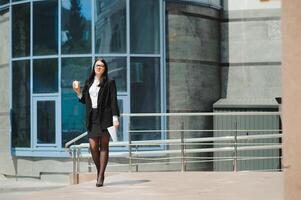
(96, 130)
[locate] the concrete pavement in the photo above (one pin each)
(167, 185)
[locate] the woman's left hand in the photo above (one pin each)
(116, 124)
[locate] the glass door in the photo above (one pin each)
(45, 118)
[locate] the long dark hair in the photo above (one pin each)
(92, 74)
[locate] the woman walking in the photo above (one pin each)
(100, 96)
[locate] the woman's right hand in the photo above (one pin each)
(76, 86)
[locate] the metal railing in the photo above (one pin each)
(235, 143)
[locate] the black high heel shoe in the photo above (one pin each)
(100, 181)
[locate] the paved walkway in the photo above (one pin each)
(165, 186)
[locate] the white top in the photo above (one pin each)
(93, 92)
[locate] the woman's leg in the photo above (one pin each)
(94, 147)
(104, 155)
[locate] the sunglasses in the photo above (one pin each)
(99, 66)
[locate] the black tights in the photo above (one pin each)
(100, 152)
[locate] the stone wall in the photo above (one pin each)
(251, 49)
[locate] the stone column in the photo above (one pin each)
(6, 160)
(193, 72)
(291, 107)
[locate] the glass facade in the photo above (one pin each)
(58, 44)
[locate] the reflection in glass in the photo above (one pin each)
(145, 96)
(2, 2)
(21, 30)
(45, 27)
(45, 76)
(110, 26)
(216, 2)
(145, 26)
(76, 26)
(120, 130)
(46, 122)
(20, 104)
(73, 112)
(117, 71)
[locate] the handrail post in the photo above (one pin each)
(235, 154)
(130, 147)
(89, 161)
(183, 164)
(74, 166)
(78, 164)
(137, 160)
(235, 150)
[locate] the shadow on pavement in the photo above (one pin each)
(129, 182)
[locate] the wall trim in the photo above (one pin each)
(248, 64)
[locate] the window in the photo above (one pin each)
(20, 104)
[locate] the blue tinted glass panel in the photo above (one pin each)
(2, 2)
(110, 26)
(145, 96)
(21, 30)
(117, 71)
(73, 112)
(45, 27)
(20, 104)
(45, 76)
(145, 26)
(120, 130)
(46, 122)
(76, 26)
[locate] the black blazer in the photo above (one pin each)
(106, 103)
